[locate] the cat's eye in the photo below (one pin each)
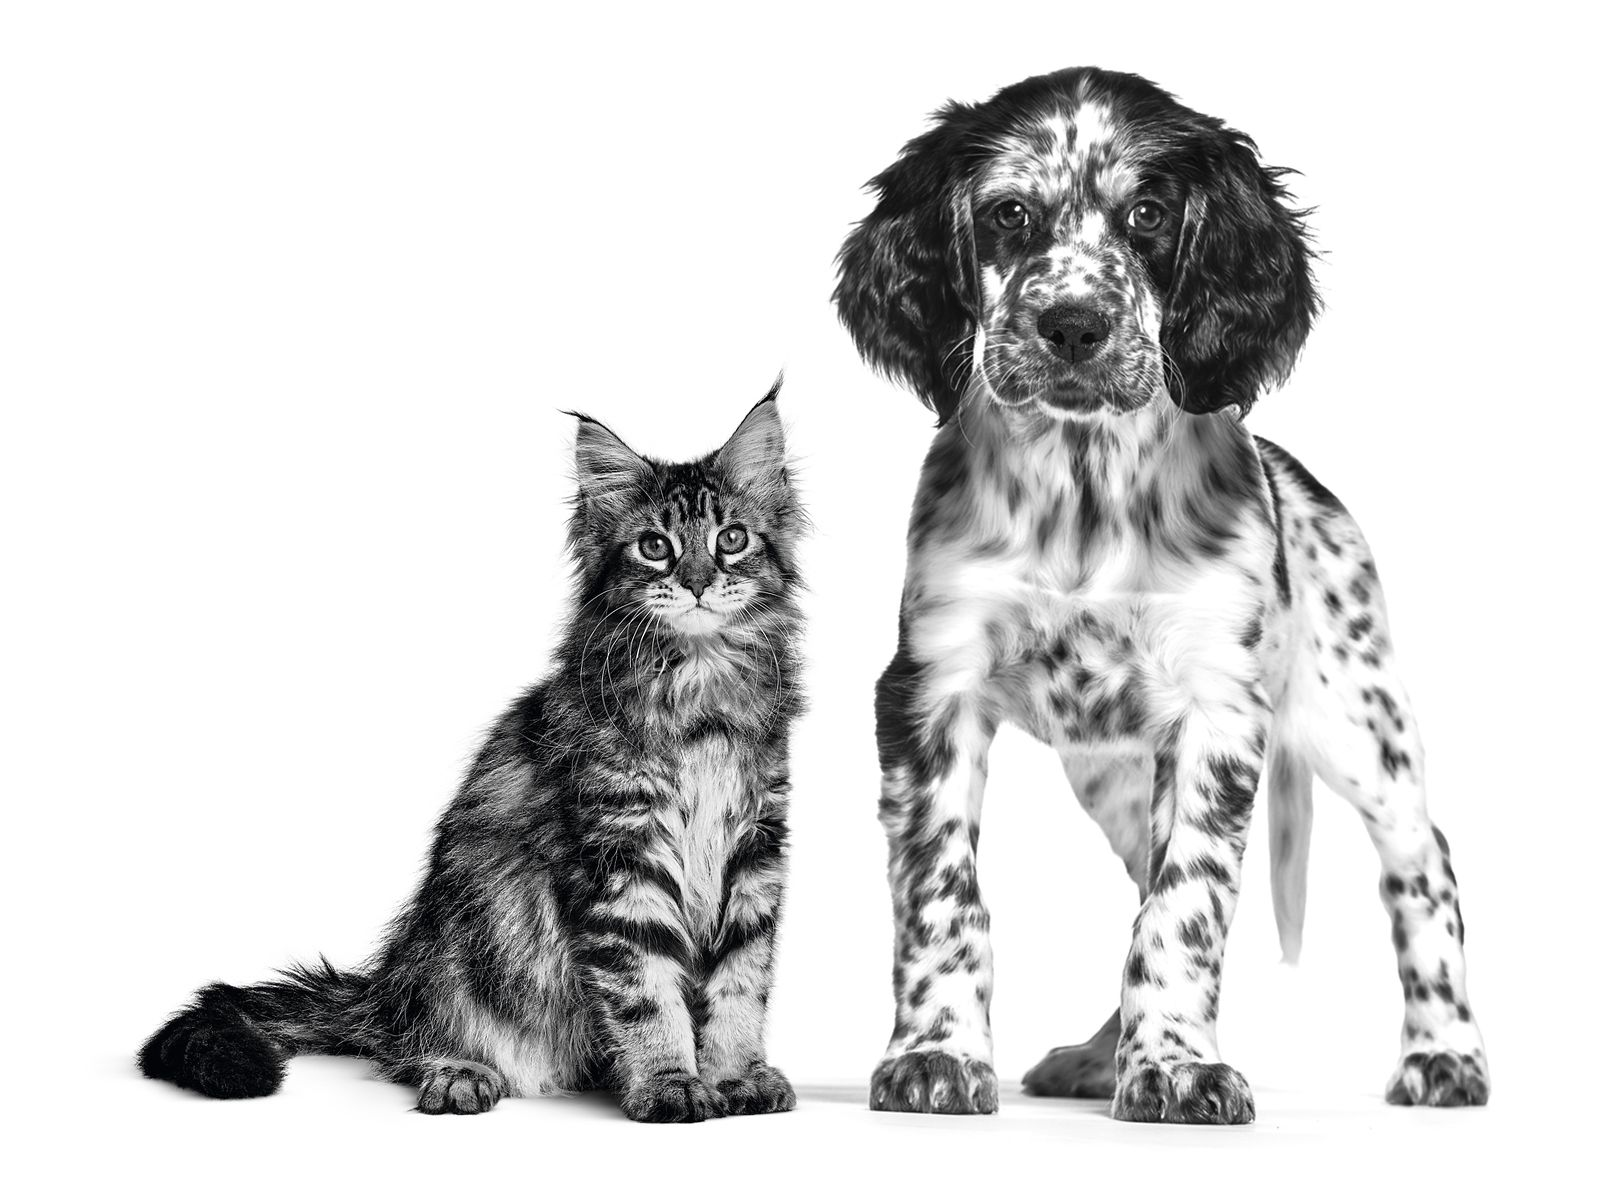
(653, 546)
(732, 540)
(1147, 218)
(1011, 214)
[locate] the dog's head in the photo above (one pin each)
(1089, 244)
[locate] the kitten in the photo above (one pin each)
(602, 896)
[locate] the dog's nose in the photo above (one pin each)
(1074, 330)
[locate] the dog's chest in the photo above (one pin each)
(1109, 638)
(1100, 593)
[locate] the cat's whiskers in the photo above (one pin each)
(587, 650)
(632, 652)
(642, 636)
(758, 615)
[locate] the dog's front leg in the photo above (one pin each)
(933, 750)
(1208, 759)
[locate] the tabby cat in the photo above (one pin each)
(601, 900)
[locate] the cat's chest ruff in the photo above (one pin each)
(697, 681)
(712, 805)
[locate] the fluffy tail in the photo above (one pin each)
(1291, 819)
(234, 1041)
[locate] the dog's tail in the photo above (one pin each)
(1291, 819)
(234, 1041)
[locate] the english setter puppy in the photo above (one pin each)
(1090, 284)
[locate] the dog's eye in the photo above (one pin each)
(731, 540)
(1147, 218)
(653, 546)
(1011, 214)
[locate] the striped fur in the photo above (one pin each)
(602, 895)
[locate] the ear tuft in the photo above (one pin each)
(604, 465)
(754, 455)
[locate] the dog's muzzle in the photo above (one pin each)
(1074, 331)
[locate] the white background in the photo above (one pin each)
(292, 295)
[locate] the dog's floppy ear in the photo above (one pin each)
(1242, 298)
(907, 285)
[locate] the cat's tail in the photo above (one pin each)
(235, 1041)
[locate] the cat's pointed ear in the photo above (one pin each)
(604, 465)
(754, 455)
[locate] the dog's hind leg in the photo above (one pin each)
(1113, 784)
(1086, 1071)
(1114, 789)
(1357, 730)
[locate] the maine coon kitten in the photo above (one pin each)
(601, 899)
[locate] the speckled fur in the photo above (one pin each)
(601, 901)
(1103, 554)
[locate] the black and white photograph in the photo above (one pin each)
(892, 588)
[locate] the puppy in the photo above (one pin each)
(1090, 284)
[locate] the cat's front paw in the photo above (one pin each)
(460, 1088)
(933, 1082)
(762, 1089)
(672, 1097)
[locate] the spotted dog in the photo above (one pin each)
(1090, 284)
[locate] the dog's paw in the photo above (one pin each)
(762, 1090)
(459, 1088)
(933, 1082)
(1086, 1071)
(672, 1097)
(1442, 1079)
(1184, 1094)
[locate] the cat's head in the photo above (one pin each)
(702, 548)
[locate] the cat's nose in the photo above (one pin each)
(695, 570)
(696, 582)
